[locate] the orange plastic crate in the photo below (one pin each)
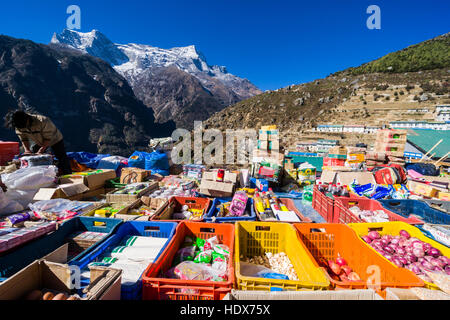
(179, 202)
(325, 241)
(157, 288)
(342, 214)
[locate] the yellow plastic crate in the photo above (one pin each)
(257, 238)
(393, 228)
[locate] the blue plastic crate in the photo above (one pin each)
(130, 228)
(10, 263)
(408, 207)
(213, 211)
(428, 234)
(442, 204)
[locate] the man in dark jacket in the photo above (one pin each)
(42, 132)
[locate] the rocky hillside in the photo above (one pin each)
(150, 71)
(92, 105)
(353, 96)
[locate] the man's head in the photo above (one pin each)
(17, 119)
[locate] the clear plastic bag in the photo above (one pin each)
(189, 270)
(32, 178)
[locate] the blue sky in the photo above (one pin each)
(272, 43)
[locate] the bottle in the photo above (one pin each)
(321, 187)
(338, 189)
(335, 191)
(344, 192)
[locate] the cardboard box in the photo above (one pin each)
(94, 181)
(133, 175)
(444, 196)
(63, 191)
(422, 189)
(328, 177)
(400, 294)
(272, 156)
(105, 283)
(367, 294)
(346, 178)
(337, 150)
(210, 187)
(129, 198)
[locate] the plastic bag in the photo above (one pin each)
(189, 270)
(32, 178)
(137, 160)
(258, 271)
(8, 206)
(185, 254)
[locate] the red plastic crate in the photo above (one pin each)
(323, 205)
(157, 288)
(342, 214)
(7, 151)
(289, 203)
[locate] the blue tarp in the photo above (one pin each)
(157, 162)
(90, 160)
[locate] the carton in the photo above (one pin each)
(444, 196)
(63, 191)
(105, 283)
(346, 178)
(422, 189)
(94, 181)
(133, 175)
(337, 150)
(210, 187)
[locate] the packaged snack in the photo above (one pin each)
(238, 204)
(185, 254)
(189, 241)
(204, 257)
(222, 249)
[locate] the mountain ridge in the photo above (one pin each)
(132, 60)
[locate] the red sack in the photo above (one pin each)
(386, 176)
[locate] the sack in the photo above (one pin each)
(386, 176)
(426, 169)
(32, 178)
(156, 161)
(398, 171)
(137, 160)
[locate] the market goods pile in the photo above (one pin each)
(339, 270)
(200, 259)
(409, 252)
(49, 295)
(276, 265)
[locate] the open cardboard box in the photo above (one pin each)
(210, 187)
(63, 191)
(105, 283)
(93, 182)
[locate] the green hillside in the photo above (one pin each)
(427, 55)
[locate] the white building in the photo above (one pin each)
(419, 125)
(442, 108)
(354, 128)
(443, 116)
(371, 129)
(329, 128)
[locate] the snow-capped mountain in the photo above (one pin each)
(134, 60)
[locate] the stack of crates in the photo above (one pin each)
(7, 151)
